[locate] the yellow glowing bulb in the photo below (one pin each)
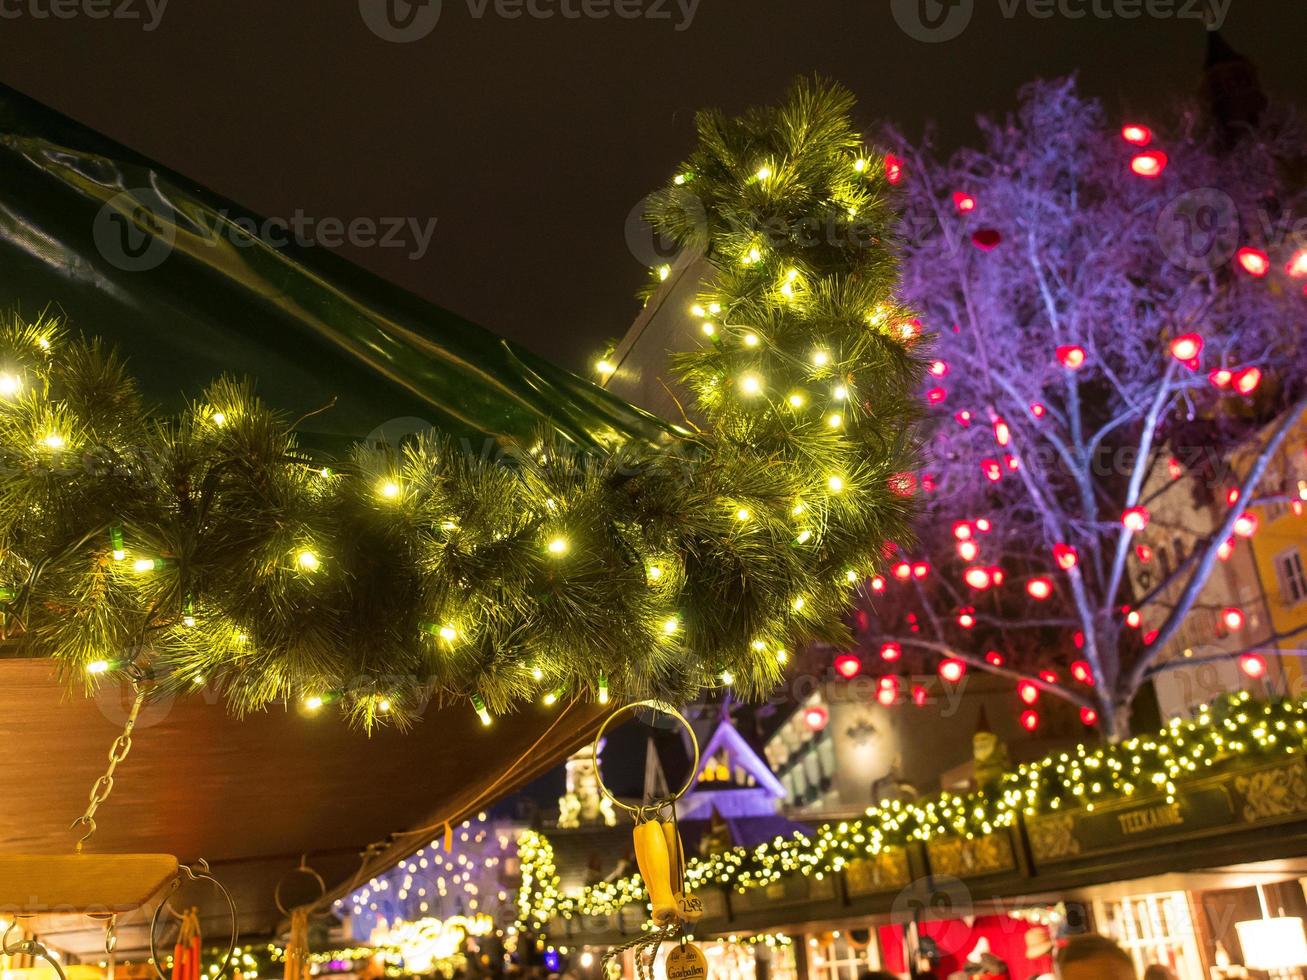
(308, 561)
(764, 172)
(860, 164)
(714, 308)
(796, 400)
(219, 418)
(787, 291)
(727, 678)
(537, 674)
(755, 254)
(820, 358)
(709, 329)
(119, 554)
(799, 508)
(742, 514)
(835, 420)
(605, 367)
(698, 311)
(799, 603)
(188, 621)
(43, 343)
(655, 573)
(750, 384)
(448, 633)
(792, 275)
(143, 565)
(98, 667)
(10, 385)
(551, 698)
(679, 180)
(383, 705)
(836, 483)
(750, 340)
(313, 702)
(54, 441)
(671, 625)
(663, 272)
(389, 489)
(558, 546)
(841, 393)
(804, 536)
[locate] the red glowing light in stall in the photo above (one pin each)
(996, 574)
(1232, 496)
(1048, 677)
(1232, 617)
(1225, 549)
(1037, 410)
(1133, 618)
(902, 571)
(1011, 462)
(939, 369)
(1082, 672)
(1150, 636)
(1245, 525)
(994, 658)
(1174, 468)
(993, 472)
(1028, 692)
(1143, 552)
(1066, 556)
(1071, 356)
(1135, 518)
(1150, 163)
(936, 395)
(1088, 717)
(1253, 664)
(967, 618)
(978, 578)
(983, 525)
(1040, 588)
(890, 652)
(964, 202)
(920, 569)
(1186, 348)
(1030, 719)
(1297, 267)
(1136, 134)
(893, 168)
(952, 670)
(816, 717)
(1221, 377)
(967, 550)
(847, 665)
(962, 530)
(919, 695)
(1078, 638)
(963, 418)
(1253, 261)
(1247, 380)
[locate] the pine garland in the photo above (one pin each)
(212, 548)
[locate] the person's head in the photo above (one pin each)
(1094, 958)
(1156, 971)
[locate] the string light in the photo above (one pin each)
(10, 385)
(479, 706)
(558, 546)
(308, 561)
(98, 667)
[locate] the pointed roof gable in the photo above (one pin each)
(728, 737)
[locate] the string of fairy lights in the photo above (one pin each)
(1235, 730)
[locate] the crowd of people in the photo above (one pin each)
(1089, 957)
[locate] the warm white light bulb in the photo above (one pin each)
(10, 385)
(836, 483)
(764, 172)
(820, 358)
(750, 384)
(308, 561)
(313, 702)
(558, 546)
(671, 625)
(835, 420)
(448, 633)
(389, 489)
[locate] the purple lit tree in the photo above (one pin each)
(1112, 310)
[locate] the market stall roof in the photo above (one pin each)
(172, 274)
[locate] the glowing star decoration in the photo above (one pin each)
(1253, 665)
(1233, 618)
(1247, 380)
(1135, 519)
(1071, 356)
(1253, 261)
(1082, 672)
(1066, 556)
(816, 718)
(952, 670)
(964, 202)
(847, 665)
(1028, 692)
(1186, 348)
(893, 168)
(1088, 717)
(1149, 164)
(1039, 588)
(1136, 134)
(1030, 719)
(890, 652)
(1246, 525)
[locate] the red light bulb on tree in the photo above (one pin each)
(1135, 518)
(1002, 432)
(1149, 164)
(1048, 677)
(1088, 717)
(1040, 588)
(1028, 692)
(964, 202)
(1233, 618)
(1082, 672)
(919, 695)
(1071, 356)
(890, 652)
(1253, 665)
(1253, 261)
(967, 550)
(893, 168)
(994, 658)
(1245, 525)
(1247, 380)
(1221, 377)
(978, 577)
(847, 665)
(1186, 348)
(816, 717)
(1066, 556)
(962, 530)
(1136, 134)
(1030, 719)
(952, 670)
(990, 467)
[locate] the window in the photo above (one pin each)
(1153, 929)
(1293, 583)
(832, 957)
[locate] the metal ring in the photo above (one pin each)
(302, 869)
(666, 709)
(201, 875)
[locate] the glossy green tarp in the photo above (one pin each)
(190, 286)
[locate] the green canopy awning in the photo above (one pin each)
(181, 281)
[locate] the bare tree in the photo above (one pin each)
(1107, 304)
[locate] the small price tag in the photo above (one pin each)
(686, 962)
(688, 908)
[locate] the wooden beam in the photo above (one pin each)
(86, 884)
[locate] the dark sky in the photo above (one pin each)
(530, 140)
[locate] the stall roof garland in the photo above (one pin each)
(1236, 728)
(213, 548)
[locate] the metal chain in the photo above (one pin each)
(117, 753)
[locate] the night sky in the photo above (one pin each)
(530, 140)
